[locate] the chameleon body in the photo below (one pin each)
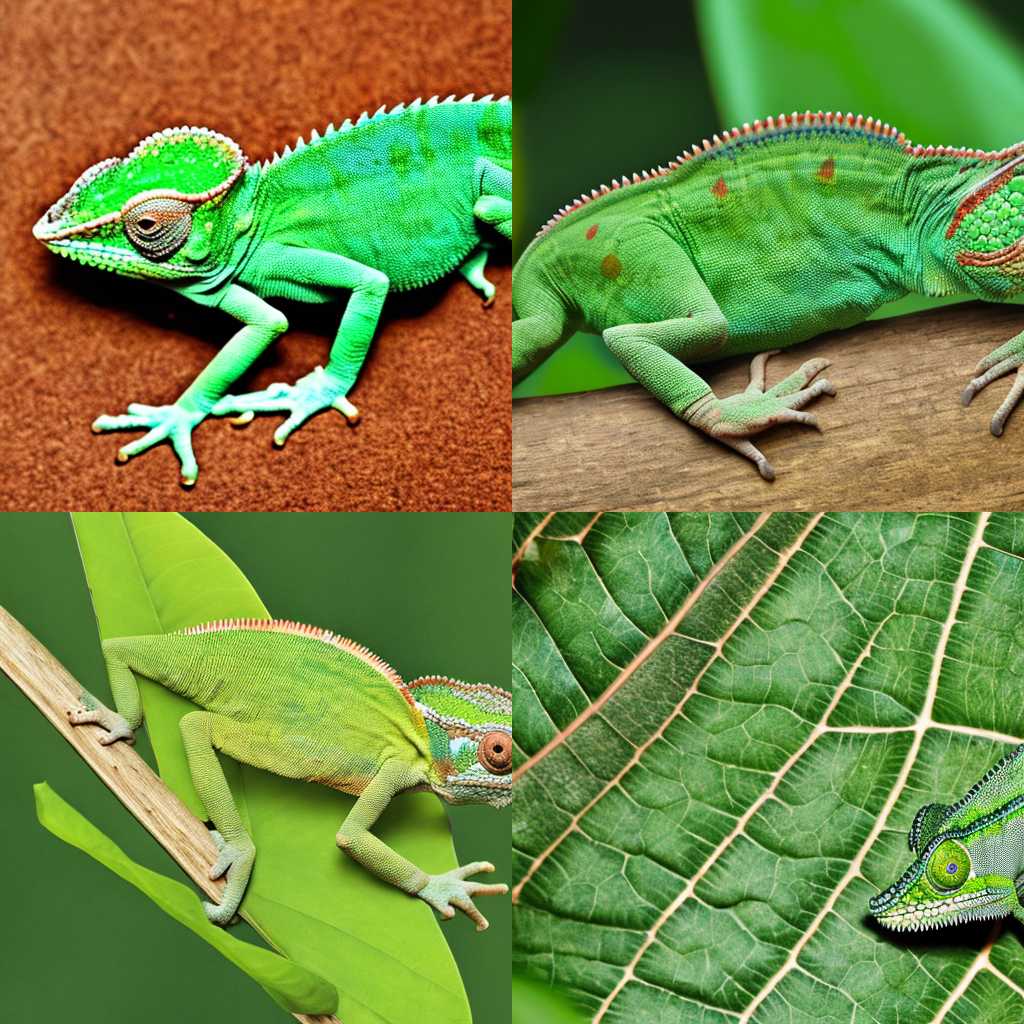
(307, 704)
(969, 857)
(395, 200)
(765, 237)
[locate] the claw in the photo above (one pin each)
(318, 390)
(733, 420)
(173, 423)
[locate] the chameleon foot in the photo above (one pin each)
(996, 364)
(309, 395)
(449, 891)
(734, 419)
(236, 859)
(93, 711)
(473, 271)
(172, 423)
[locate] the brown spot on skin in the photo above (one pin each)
(611, 266)
(591, 231)
(827, 171)
(719, 189)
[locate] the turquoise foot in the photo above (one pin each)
(172, 423)
(473, 271)
(734, 419)
(307, 396)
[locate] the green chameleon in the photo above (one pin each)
(764, 237)
(307, 704)
(970, 857)
(394, 201)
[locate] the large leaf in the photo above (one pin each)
(724, 726)
(942, 70)
(155, 572)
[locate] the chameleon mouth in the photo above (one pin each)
(973, 906)
(104, 257)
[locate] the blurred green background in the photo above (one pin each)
(428, 591)
(603, 89)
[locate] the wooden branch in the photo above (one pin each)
(894, 437)
(49, 685)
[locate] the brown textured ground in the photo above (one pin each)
(84, 81)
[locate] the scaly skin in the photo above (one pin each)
(307, 704)
(764, 238)
(392, 202)
(969, 862)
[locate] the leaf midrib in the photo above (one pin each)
(644, 653)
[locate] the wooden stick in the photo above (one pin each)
(49, 685)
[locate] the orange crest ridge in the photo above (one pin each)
(869, 127)
(313, 633)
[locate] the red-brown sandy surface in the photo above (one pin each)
(85, 80)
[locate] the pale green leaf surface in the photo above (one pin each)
(724, 727)
(384, 952)
(534, 1003)
(289, 985)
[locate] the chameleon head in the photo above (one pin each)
(152, 214)
(470, 731)
(955, 878)
(985, 237)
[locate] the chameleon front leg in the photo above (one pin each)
(176, 422)
(996, 364)
(654, 352)
(324, 388)
(443, 892)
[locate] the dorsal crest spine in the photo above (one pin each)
(381, 114)
(313, 633)
(776, 128)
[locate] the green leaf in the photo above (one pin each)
(384, 952)
(533, 1002)
(289, 985)
(724, 726)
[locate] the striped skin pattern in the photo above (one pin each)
(969, 862)
(763, 237)
(393, 201)
(308, 704)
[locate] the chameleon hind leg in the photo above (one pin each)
(473, 271)
(494, 206)
(122, 723)
(201, 732)
(998, 363)
(686, 323)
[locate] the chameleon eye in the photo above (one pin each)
(495, 753)
(949, 865)
(158, 228)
